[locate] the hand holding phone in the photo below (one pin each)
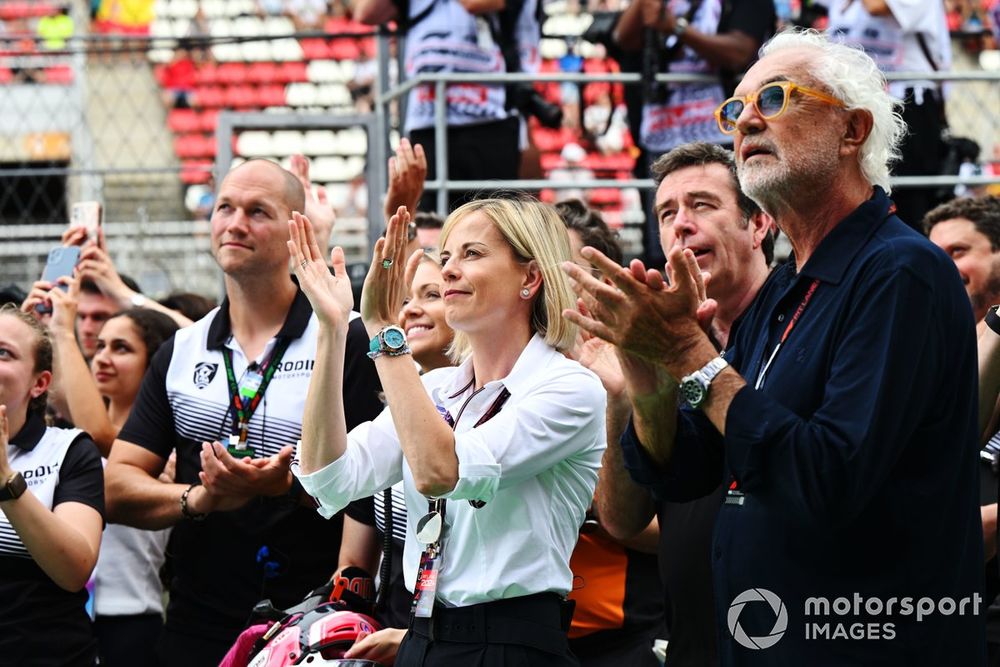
(61, 262)
(86, 215)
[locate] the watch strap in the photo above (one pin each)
(713, 368)
(13, 488)
(701, 378)
(993, 320)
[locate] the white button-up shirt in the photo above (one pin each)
(534, 464)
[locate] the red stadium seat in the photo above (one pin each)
(207, 120)
(207, 75)
(292, 72)
(605, 197)
(193, 146)
(232, 73)
(240, 97)
(183, 120)
(315, 49)
(345, 49)
(271, 96)
(59, 74)
(15, 10)
(196, 171)
(262, 73)
(550, 161)
(209, 97)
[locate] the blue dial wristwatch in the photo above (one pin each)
(390, 341)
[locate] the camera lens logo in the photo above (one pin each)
(780, 618)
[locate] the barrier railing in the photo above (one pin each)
(443, 184)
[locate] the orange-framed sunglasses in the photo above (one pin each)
(770, 100)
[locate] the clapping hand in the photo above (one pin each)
(639, 313)
(407, 173)
(318, 208)
(329, 293)
(391, 271)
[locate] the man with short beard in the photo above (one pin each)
(842, 418)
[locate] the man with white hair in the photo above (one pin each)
(842, 416)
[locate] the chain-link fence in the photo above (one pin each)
(133, 122)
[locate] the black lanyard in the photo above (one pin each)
(425, 589)
(438, 504)
(242, 408)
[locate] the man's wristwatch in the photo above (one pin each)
(993, 320)
(694, 387)
(680, 26)
(137, 300)
(13, 488)
(390, 341)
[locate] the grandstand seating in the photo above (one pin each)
(312, 75)
(255, 65)
(19, 49)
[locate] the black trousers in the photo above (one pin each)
(123, 641)
(520, 632)
(475, 152)
(922, 155)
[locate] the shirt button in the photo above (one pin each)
(781, 317)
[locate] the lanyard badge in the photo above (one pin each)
(245, 396)
(429, 530)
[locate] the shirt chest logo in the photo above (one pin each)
(204, 373)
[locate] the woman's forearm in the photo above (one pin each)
(324, 427)
(83, 401)
(66, 546)
(427, 442)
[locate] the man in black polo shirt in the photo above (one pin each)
(243, 531)
(842, 419)
(699, 205)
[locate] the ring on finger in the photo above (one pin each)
(387, 262)
(304, 263)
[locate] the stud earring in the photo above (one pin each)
(525, 293)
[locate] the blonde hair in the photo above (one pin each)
(534, 232)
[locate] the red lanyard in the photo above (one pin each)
(788, 330)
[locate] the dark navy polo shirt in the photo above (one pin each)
(857, 458)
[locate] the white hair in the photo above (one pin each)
(853, 77)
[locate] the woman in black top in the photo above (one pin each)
(51, 510)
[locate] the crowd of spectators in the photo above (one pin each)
(170, 467)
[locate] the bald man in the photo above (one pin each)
(242, 531)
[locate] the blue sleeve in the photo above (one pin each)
(901, 361)
(696, 465)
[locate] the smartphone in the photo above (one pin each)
(61, 262)
(86, 214)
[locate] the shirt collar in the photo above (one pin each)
(836, 252)
(295, 322)
(31, 433)
(532, 357)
